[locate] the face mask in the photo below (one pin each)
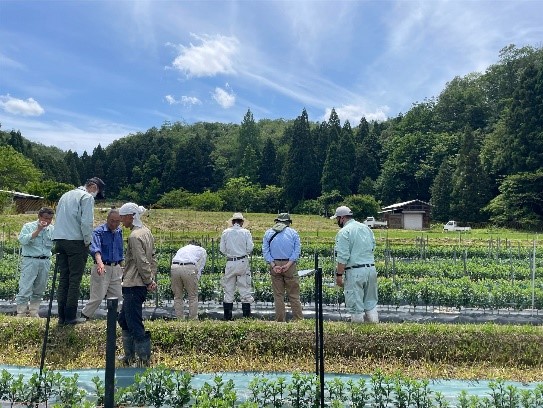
(339, 223)
(93, 193)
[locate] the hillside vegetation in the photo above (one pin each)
(475, 151)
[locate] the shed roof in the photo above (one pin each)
(18, 194)
(405, 203)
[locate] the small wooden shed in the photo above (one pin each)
(410, 215)
(25, 203)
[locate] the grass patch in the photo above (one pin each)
(419, 350)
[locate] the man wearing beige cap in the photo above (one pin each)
(355, 270)
(281, 249)
(237, 244)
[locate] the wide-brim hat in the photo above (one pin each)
(237, 216)
(101, 186)
(341, 212)
(283, 217)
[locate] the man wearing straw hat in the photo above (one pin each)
(237, 244)
(355, 269)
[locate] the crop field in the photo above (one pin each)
(486, 269)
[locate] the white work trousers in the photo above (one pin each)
(237, 273)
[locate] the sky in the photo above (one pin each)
(78, 73)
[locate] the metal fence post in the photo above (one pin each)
(111, 340)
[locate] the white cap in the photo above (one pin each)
(341, 211)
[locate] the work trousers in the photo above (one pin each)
(71, 258)
(185, 277)
(109, 284)
(360, 288)
(33, 280)
(131, 315)
(237, 273)
(288, 282)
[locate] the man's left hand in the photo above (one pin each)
(152, 286)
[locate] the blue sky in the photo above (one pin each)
(75, 73)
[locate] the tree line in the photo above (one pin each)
(475, 152)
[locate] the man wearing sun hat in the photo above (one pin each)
(73, 235)
(355, 269)
(281, 249)
(237, 244)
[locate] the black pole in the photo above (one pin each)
(46, 335)
(317, 337)
(111, 340)
(318, 273)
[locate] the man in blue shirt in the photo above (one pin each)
(355, 270)
(106, 275)
(36, 243)
(72, 236)
(281, 250)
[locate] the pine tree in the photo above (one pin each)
(299, 175)
(470, 183)
(268, 168)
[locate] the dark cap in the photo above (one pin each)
(100, 184)
(283, 217)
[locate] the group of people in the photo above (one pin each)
(116, 273)
(129, 275)
(355, 270)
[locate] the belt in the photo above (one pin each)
(359, 266)
(183, 263)
(110, 263)
(236, 258)
(36, 257)
(281, 260)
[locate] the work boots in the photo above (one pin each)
(22, 309)
(34, 308)
(246, 308)
(227, 310)
(70, 316)
(129, 349)
(371, 316)
(143, 350)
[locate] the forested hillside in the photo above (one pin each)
(475, 152)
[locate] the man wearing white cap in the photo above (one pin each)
(138, 279)
(355, 270)
(237, 244)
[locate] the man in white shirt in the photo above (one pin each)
(237, 244)
(187, 267)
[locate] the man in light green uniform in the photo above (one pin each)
(355, 270)
(36, 239)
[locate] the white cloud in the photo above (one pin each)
(170, 99)
(185, 100)
(354, 113)
(215, 55)
(224, 98)
(190, 100)
(20, 107)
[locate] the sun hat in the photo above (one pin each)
(283, 217)
(341, 212)
(237, 216)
